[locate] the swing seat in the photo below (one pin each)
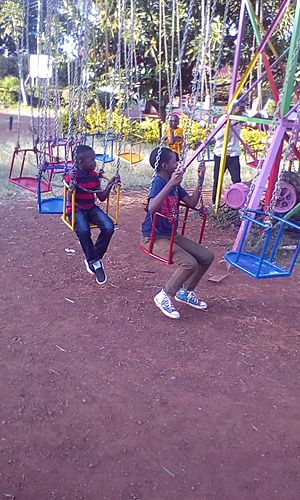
(48, 206)
(255, 266)
(131, 157)
(104, 158)
(264, 265)
(59, 166)
(30, 184)
(69, 220)
(51, 206)
(149, 251)
(97, 142)
(132, 150)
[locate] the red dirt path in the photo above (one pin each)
(105, 398)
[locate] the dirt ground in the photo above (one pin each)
(104, 398)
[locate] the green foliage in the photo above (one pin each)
(151, 131)
(254, 138)
(10, 83)
(194, 132)
(9, 86)
(270, 107)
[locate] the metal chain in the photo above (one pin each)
(196, 85)
(57, 109)
(173, 92)
(220, 52)
(20, 61)
(120, 135)
(46, 89)
(78, 95)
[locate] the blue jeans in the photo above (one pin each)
(82, 227)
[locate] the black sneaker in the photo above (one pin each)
(99, 272)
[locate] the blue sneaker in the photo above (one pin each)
(190, 298)
(164, 303)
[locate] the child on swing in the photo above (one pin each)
(86, 211)
(191, 259)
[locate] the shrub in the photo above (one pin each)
(197, 133)
(9, 86)
(151, 131)
(254, 138)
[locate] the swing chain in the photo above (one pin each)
(220, 52)
(175, 82)
(196, 84)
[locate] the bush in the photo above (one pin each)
(150, 130)
(9, 86)
(197, 134)
(255, 139)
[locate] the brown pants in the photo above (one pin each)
(192, 261)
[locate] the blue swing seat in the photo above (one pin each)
(51, 206)
(104, 158)
(97, 141)
(263, 265)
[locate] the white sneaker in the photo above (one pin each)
(164, 303)
(88, 267)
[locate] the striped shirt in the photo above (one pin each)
(83, 199)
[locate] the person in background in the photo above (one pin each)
(174, 135)
(233, 151)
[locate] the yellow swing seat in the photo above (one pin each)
(132, 150)
(70, 220)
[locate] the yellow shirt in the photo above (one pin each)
(177, 147)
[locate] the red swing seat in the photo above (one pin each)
(28, 182)
(149, 251)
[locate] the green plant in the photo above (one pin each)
(9, 86)
(270, 107)
(150, 130)
(254, 138)
(194, 130)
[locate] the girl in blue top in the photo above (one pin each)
(191, 259)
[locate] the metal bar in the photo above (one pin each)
(263, 121)
(237, 55)
(204, 144)
(261, 47)
(243, 143)
(254, 85)
(262, 178)
(264, 249)
(296, 255)
(258, 37)
(12, 164)
(222, 164)
(276, 243)
(204, 218)
(273, 176)
(23, 163)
